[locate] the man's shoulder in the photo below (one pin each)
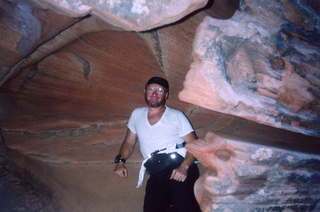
(174, 111)
(139, 110)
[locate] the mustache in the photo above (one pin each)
(162, 102)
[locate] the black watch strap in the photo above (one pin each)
(119, 159)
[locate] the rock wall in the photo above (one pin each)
(65, 108)
(246, 177)
(24, 26)
(135, 15)
(262, 64)
(66, 95)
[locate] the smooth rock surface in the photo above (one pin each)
(88, 73)
(77, 165)
(23, 27)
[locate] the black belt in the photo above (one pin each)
(178, 146)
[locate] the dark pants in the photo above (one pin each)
(165, 195)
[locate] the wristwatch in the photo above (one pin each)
(119, 159)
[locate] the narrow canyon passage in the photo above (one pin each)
(246, 74)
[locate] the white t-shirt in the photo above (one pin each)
(169, 130)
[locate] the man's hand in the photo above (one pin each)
(179, 174)
(121, 170)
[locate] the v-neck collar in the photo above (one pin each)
(163, 114)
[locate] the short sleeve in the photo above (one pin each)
(185, 126)
(131, 123)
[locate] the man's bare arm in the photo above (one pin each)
(126, 150)
(128, 144)
(189, 159)
(180, 174)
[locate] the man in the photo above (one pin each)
(161, 132)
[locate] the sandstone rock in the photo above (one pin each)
(136, 15)
(63, 158)
(173, 60)
(244, 177)
(23, 27)
(64, 114)
(87, 25)
(89, 80)
(101, 190)
(263, 70)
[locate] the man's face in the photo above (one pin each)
(155, 95)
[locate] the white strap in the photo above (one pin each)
(142, 173)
